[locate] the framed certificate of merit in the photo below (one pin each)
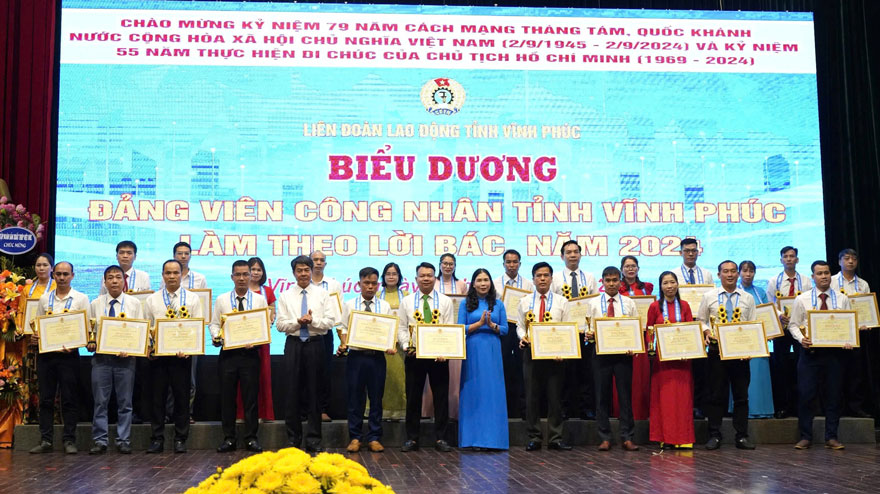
(615, 335)
(63, 330)
(440, 340)
(767, 314)
(833, 328)
(30, 313)
(865, 305)
(118, 335)
(693, 294)
(141, 295)
(680, 341)
(457, 299)
(552, 340)
(643, 303)
(579, 309)
(785, 305)
(371, 331)
(205, 301)
(247, 327)
(739, 340)
(510, 297)
(175, 336)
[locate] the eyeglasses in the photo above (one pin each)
(689, 251)
(448, 264)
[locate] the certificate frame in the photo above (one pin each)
(30, 313)
(643, 302)
(166, 324)
(814, 316)
(141, 295)
(724, 330)
(579, 309)
(866, 298)
(232, 316)
(142, 325)
(574, 334)
(207, 303)
(771, 315)
(457, 299)
(511, 297)
(666, 354)
(352, 338)
(633, 324)
(338, 297)
(83, 337)
(693, 294)
(783, 302)
(424, 331)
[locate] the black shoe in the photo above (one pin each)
(98, 449)
(533, 446)
(744, 443)
(410, 445)
(124, 449)
(714, 443)
(156, 447)
(698, 414)
(559, 446)
(226, 446)
(780, 414)
(590, 415)
(254, 446)
(179, 446)
(442, 446)
(315, 449)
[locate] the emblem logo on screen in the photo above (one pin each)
(442, 96)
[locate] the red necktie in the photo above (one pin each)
(791, 287)
(541, 315)
(125, 283)
(824, 305)
(610, 307)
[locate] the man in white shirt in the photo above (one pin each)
(113, 372)
(608, 368)
(305, 314)
(430, 305)
(135, 280)
(57, 371)
(365, 368)
(691, 274)
(542, 375)
(511, 354)
(171, 302)
(815, 362)
(238, 366)
(331, 286)
(726, 377)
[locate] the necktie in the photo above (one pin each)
(542, 309)
(610, 307)
(730, 305)
(173, 299)
(691, 281)
(367, 304)
(510, 282)
(303, 310)
(112, 312)
(240, 303)
(125, 283)
(824, 297)
(426, 309)
(791, 287)
(574, 284)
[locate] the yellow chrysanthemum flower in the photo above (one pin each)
(207, 483)
(291, 464)
(254, 490)
(193, 490)
(270, 481)
(302, 483)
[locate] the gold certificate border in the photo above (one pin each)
(141, 295)
(165, 322)
(577, 339)
(512, 289)
(459, 327)
(85, 328)
(30, 314)
(640, 300)
(209, 300)
(338, 298)
(235, 315)
(873, 297)
(690, 324)
(629, 321)
(580, 302)
(782, 302)
(777, 325)
(352, 326)
(138, 322)
(855, 319)
(752, 325)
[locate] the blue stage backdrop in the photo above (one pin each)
(381, 133)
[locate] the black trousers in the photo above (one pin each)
(700, 376)
(239, 366)
(579, 395)
(304, 362)
(860, 377)
(512, 360)
(143, 390)
(327, 382)
(543, 376)
(727, 377)
(365, 377)
(827, 363)
(416, 371)
(783, 361)
(606, 368)
(176, 372)
(57, 371)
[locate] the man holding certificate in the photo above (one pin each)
(365, 368)
(609, 367)
(815, 362)
(542, 305)
(691, 274)
(426, 306)
(729, 303)
(113, 372)
(58, 370)
(238, 366)
(511, 354)
(171, 302)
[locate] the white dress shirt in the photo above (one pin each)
(126, 304)
(623, 306)
(520, 282)
(563, 277)
(223, 305)
(325, 311)
(741, 299)
(192, 281)
(413, 302)
(555, 303)
(852, 287)
(73, 301)
(804, 302)
(154, 307)
(138, 281)
(802, 284)
(702, 276)
(330, 284)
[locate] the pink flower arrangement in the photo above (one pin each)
(18, 215)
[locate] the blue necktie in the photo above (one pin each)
(691, 281)
(730, 306)
(112, 312)
(303, 310)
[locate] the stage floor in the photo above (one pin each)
(770, 468)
